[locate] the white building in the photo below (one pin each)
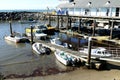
(110, 8)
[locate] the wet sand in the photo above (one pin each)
(80, 74)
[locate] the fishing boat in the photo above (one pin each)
(65, 58)
(97, 52)
(40, 48)
(56, 41)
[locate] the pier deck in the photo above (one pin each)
(77, 54)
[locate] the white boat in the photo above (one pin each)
(65, 58)
(37, 33)
(16, 37)
(56, 41)
(97, 52)
(13, 38)
(40, 48)
(27, 21)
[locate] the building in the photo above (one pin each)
(109, 8)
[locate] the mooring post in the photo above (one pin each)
(111, 32)
(57, 22)
(93, 29)
(89, 52)
(67, 23)
(79, 25)
(70, 22)
(49, 20)
(10, 27)
(61, 21)
(31, 34)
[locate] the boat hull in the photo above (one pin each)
(13, 39)
(60, 59)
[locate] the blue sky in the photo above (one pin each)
(27, 4)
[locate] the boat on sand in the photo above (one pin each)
(40, 48)
(65, 58)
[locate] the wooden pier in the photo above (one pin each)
(98, 63)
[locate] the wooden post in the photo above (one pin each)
(57, 22)
(61, 21)
(10, 27)
(89, 52)
(93, 29)
(70, 22)
(111, 32)
(67, 23)
(79, 25)
(31, 34)
(49, 20)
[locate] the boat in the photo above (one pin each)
(40, 48)
(49, 27)
(16, 37)
(56, 41)
(13, 38)
(65, 58)
(97, 52)
(37, 33)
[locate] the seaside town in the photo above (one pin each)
(79, 39)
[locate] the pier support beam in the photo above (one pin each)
(61, 21)
(57, 22)
(70, 22)
(89, 52)
(67, 27)
(49, 20)
(31, 34)
(10, 27)
(93, 29)
(79, 25)
(111, 31)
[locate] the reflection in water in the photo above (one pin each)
(17, 45)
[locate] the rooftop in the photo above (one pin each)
(91, 3)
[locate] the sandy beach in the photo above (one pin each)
(80, 74)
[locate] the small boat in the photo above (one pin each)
(38, 33)
(98, 52)
(41, 49)
(49, 27)
(66, 58)
(13, 38)
(17, 38)
(56, 41)
(28, 21)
